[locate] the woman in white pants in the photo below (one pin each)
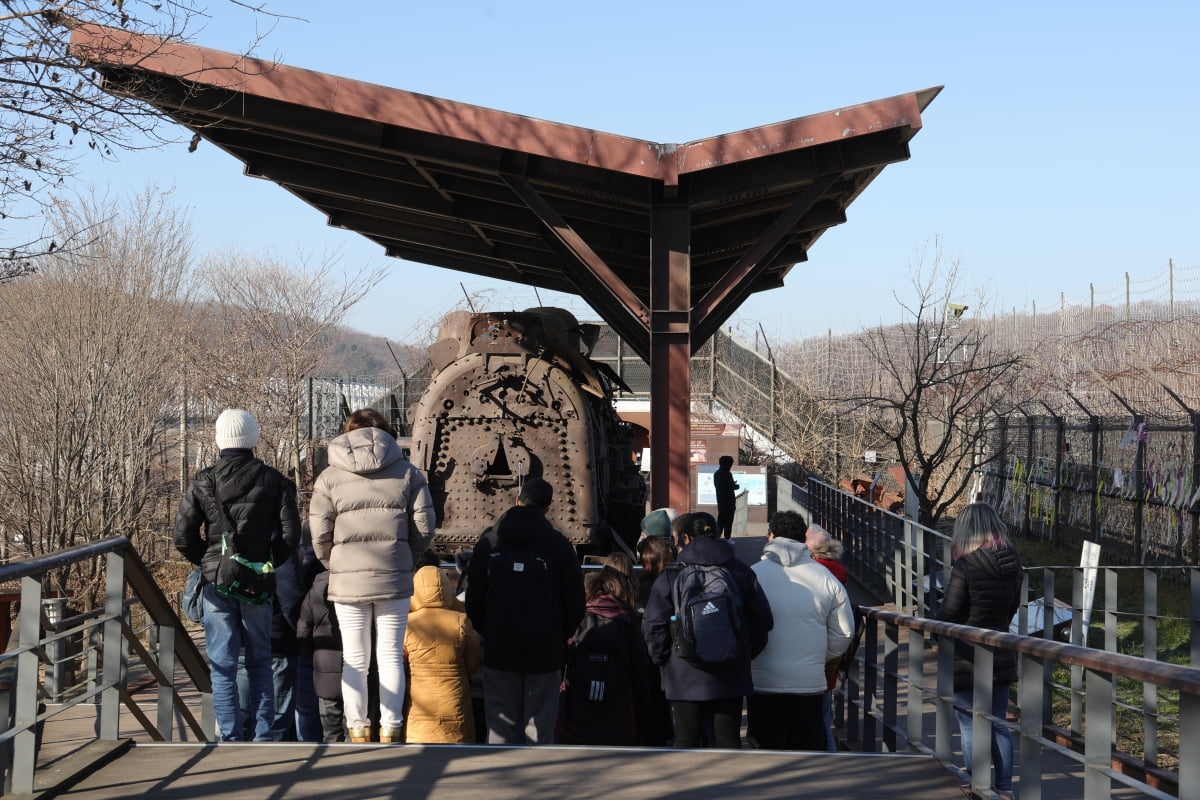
(371, 517)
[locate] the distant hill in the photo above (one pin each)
(363, 355)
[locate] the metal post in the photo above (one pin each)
(981, 725)
(1059, 440)
(1193, 547)
(1189, 731)
(944, 714)
(166, 692)
(1111, 609)
(1098, 737)
(1032, 695)
(1139, 499)
(1048, 580)
(112, 671)
(891, 684)
(916, 696)
(1027, 522)
(1150, 651)
(670, 353)
(1195, 632)
(29, 626)
(1079, 637)
(55, 649)
(870, 678)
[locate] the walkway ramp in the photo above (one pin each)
(477, 772)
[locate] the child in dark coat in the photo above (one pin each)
(605, 686)
(317, 629)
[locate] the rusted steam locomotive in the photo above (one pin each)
(513, 396)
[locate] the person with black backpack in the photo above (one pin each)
(525, 599)
(705, 619)
(605, 690)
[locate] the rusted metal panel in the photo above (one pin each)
(514, 397)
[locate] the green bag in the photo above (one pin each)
(247, 581)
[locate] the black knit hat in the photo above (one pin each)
(536, 493)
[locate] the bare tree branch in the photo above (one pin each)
(54, 112)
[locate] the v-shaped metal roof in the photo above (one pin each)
(664, 241)
(493, 193)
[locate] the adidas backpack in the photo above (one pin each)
(597, 663)
(709, 625)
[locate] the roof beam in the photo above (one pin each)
(596, 281)
(719, 302)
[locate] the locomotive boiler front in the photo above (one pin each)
(513, 397)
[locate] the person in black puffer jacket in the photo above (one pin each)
(256, 505)
(984, 591)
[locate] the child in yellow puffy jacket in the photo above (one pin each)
(441, 653)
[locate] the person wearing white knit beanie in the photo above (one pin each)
(240, 502)
(236, 429)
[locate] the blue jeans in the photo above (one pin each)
(1002, 746)
(827, 712)
(233, 628)
(283, 682)
(308, 714)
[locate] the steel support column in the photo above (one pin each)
(670, 355)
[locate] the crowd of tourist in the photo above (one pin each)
(367, 637)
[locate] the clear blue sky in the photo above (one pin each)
(1064, 150)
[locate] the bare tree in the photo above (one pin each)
(88, 363)
(54, 113)
(824, 434)
(939, 388)
(269, 326)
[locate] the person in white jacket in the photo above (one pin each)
(814, 624)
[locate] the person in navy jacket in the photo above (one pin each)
(706, 698)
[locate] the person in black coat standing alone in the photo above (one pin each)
(726, 489)
(984, 591)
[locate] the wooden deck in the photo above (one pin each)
(461, 772)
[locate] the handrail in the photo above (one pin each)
(128, 582)
(163, 613)
(1171, 676)
(61, 558)
(909, 564)
(874, 698)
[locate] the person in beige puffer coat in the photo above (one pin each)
(442, 652)
(371, 517)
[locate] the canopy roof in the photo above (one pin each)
(493, 193)
(665, 241)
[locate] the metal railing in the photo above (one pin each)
(892, 698)
(892, 555)
(898, 559)
(33, 668)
